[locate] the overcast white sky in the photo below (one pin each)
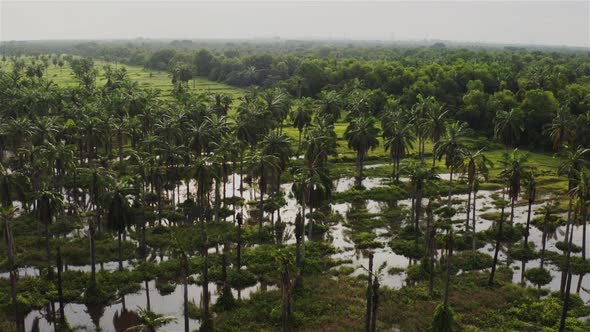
(514, 22)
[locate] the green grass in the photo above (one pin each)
(147, 79)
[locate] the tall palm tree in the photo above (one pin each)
(476, 165)
(572, 162)
(49, 204)
(361, 135)
(508, 126)
(451, 147)
(301, 116)
(514, 168)
(582, 193)
(119, 213)
(560, 128)
(419, 176)
(435, 123)
(530, 184)
(329, 103)
(7, 215)
(264, 167)
(398, 137)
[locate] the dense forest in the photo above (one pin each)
(310, 186)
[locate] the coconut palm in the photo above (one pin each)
(452, 147)
(361, 135)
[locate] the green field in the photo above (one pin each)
(148, 79)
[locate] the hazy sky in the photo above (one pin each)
(537, 22)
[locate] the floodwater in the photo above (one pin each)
(115, 317)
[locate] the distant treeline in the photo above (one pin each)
(473, 84)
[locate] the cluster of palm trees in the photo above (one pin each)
(118, 156)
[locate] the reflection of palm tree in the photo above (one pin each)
(150, 321)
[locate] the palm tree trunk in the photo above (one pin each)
(62, 315)
(92, 253)
(526, 239)
(418, 205)
(584, 220)
(450, 189)
(369, 297)
(375, 304)
(120, 250)
(185, 301)
(48, 252)
(10, 256)
(568, 229)
(468, 208)
(566, 296)
(448, 278)
(474, 239)
(310, 230)
(543, 241)
(498, 241)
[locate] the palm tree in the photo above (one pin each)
(476, 164)
(7, 215)
(572, 161)
(435, 123)
(150, 321)
(451, 146)
(508, 126)
(320, 141)
(530, 183)
(514, 168)
(119, 213)
(398, 137)
(264, 167)
(361, 135)
(560, 128)
(301, 116)
(329, 104)
(49, 204)
(419, 111)
(419, 176)
(582, 193)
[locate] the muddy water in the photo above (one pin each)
(110, 318)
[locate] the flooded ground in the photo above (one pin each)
(113, 317)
